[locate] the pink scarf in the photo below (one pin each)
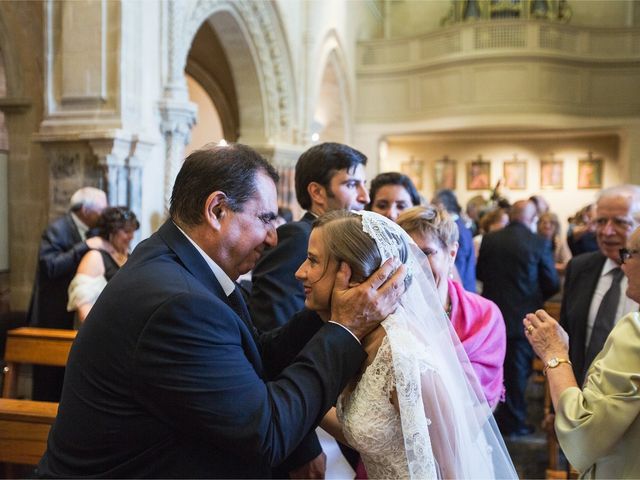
(481, 329)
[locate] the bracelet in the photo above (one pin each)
(553, 363)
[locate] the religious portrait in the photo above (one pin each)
(590, 173)
(413, 169)
(444, 174)
(479, 175)
(515, 175)
(551, 174)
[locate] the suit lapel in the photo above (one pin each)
(75, 234)
(197, 266)
(190, 257)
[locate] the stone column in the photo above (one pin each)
(177, 119)
(112, 155)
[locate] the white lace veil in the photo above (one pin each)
(448, 428)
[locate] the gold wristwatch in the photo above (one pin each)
(553, 363)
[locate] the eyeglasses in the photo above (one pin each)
(625, 254)
(619, 223)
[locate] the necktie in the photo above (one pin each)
(237, 303)
(605, 318)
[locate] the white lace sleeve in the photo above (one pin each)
(84, 289)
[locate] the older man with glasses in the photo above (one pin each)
(598, 425)
(593, 298)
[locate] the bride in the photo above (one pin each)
(417, 409)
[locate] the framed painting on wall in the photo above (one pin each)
(590, 173)
(444, 174)
(515, 174)
(551, 174)
(413, 169)
(479, 175)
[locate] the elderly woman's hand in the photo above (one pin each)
(546, 336)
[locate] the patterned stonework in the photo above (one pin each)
(264, 35)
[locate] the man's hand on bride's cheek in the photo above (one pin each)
(361, 308)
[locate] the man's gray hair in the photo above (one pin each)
(88, 197)
(629, 191)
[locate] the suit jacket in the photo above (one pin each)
(517, 272)
(61, 250)
(275, 293)
(166, 380)
(466, 258)
(581, 280)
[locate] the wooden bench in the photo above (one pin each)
(24, 429)
(36, 346)
(25, 424)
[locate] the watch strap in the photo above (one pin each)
(554, 362)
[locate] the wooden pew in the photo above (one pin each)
(36, 346)
(24, 429)
(25, 424)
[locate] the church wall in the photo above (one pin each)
(21, 43)
(506, 147)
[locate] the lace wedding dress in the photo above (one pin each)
(442, 426)
(370, 422)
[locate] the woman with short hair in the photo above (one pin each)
(116, 226)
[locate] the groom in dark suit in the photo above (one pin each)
(328, 176)
(168, 378)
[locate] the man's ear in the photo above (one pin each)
(215, 209)
(317, 192)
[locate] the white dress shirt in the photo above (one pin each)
(80, 225)
(226, 283)
(625, 304)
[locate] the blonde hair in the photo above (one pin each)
(345, 241)
(432, 221)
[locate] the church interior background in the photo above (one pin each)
(542, 94)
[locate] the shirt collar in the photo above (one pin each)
(608, 266)
(226, 283)
(80, 225)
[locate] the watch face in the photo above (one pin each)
(553, 362)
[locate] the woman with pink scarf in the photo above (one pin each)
(477, 321)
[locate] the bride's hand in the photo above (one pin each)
(363, 307)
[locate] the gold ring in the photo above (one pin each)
(530, 328)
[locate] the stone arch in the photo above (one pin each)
(332, 76)
(254, 41)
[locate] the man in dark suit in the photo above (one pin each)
(518, 273)
(63, 244)
(590, 276)
(328, 176)
(168, 377)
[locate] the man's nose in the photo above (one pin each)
(272, 237)
(363, 194)
(608, 228)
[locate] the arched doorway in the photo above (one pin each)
(332, 112)
(208, 126)
(329, 123)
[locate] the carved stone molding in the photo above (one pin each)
(9, 105)
(177, 120)
(259, 19)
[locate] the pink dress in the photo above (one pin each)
(481, 329)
